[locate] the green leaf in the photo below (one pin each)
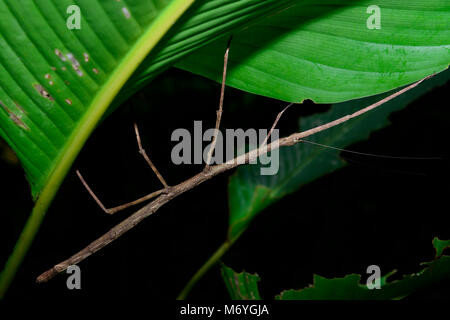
(440, 246)
(250, 192)
(350, 287)
(56, 83)
(324, 51)
(241, 286)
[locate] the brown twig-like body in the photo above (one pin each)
(206, 174)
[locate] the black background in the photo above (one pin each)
(374, 211)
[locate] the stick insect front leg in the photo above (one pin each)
(135, 202)
(150, 163)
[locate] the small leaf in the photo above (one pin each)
(241, 286)
(440, 246)
(345, 288)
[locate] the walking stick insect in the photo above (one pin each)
(168, 193)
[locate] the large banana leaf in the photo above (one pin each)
(325, 51)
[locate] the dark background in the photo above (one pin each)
(374, 211)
